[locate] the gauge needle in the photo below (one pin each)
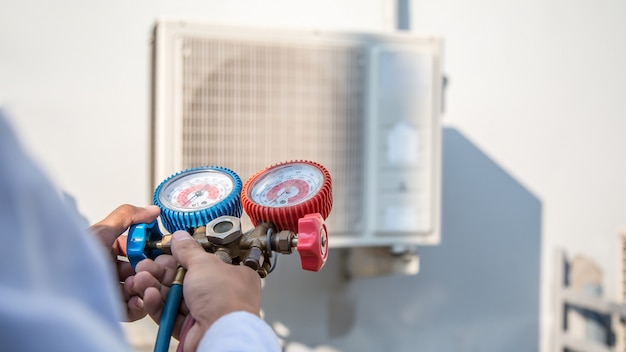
(196, 194)
(284, 190)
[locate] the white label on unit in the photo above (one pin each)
(403, 143)
(400, 218)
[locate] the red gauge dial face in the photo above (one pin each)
(287, 185)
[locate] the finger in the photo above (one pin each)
(127, 288)
(125, 215)
(124, 270)
(167, 261)
(153, 303)
(141, 281)
(120, 245)
(134, 303)
(163, 268)
(120, 219)
(134, 309)
(188, 252)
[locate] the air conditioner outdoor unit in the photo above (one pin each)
(364, 105)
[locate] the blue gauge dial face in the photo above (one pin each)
(196, 190)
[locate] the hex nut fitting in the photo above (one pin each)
(282, 242)
(223, 230)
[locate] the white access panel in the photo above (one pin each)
(366, 106)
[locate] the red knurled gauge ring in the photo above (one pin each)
(284, 194)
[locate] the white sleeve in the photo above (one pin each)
(239, 332)
(56, 289)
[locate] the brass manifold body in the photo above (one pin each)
(224, 238)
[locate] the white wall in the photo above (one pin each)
(538, 86)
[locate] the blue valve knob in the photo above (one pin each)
(138, 236)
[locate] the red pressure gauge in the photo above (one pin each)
(285, 192)
(294, 196)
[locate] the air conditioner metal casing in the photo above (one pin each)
(365, 105)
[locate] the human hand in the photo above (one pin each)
(211, 287)
(108, 230)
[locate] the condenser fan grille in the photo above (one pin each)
(247, 105)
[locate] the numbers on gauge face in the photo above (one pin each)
(287, 185)
(196, 190)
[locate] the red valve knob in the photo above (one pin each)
(312, 242)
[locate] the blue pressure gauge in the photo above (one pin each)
(194, 197)
(188, 200)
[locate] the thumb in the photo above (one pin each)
(187, 251)
(120, 219)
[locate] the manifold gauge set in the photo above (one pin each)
(287, 203)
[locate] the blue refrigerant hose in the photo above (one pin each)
(170, 311)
